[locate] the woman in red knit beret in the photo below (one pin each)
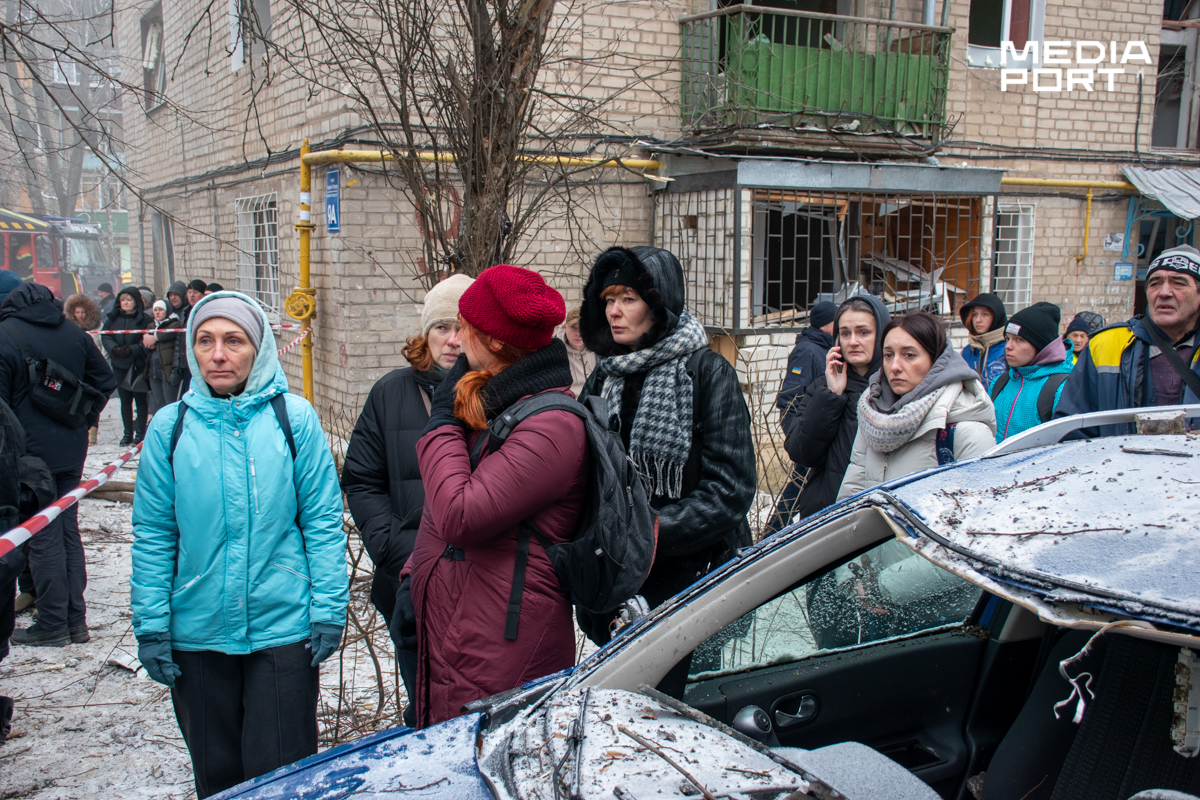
(462, 569)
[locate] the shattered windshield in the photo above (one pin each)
(886, 592)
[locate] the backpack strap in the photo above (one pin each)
(503, 425)
(19, 338)
(1045, 402)
(498, 432)
(999, 385)
(945, 445)
(279, 405)
(176, 432)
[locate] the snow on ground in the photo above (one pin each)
(84, 727)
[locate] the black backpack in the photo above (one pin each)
(612, 551)
(53, 389)
(1045, 401)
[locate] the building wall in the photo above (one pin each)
(623, 52)
(368, 292)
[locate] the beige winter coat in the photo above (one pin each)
(582, 363)
(965, 403)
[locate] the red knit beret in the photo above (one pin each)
(513, 305)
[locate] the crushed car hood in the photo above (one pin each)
(1108, 525)
(437, 763)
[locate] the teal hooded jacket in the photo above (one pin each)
(238, 548)
(1017, 403)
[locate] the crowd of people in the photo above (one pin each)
(239, 584)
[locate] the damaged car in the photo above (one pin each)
(1020, 626)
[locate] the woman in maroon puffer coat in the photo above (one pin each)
(461, 569)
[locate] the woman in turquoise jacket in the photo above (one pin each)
(1027, 393)
(239, 585)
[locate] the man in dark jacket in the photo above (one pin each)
(1123, 367)
(805, 364)
(702, 518)
(56, 553)
(105, 297)
(807, 360)
(181, 373)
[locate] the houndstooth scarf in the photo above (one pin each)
(661, 436)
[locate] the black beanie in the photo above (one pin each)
(214, 287)
(198, 286)
(1037, 324)
(992, 303)
(105, 287)
(1078, 323)
(822, 314)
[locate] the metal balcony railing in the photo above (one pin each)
(748, 65)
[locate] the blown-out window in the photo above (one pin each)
(154, 71)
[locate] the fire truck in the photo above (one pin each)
(65, 255)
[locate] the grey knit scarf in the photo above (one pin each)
(662, 425)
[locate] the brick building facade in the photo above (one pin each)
(222, 184)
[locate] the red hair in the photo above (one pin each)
(468, 403)
(418, 353)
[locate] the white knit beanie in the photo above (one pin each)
(441, 302)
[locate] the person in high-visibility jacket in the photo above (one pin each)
(1121, 367)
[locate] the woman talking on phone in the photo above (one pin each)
(820, 435)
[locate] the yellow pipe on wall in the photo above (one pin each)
(1087, 226)
(302, 303)
(377, 156)
(1051, 183)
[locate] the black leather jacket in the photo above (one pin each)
(707, 524)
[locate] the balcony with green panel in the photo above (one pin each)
(752, 67)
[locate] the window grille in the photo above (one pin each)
(258, 250)
(914, 251)
(1013, 271)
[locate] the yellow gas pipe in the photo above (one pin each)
(301, 304)
(1050, 183)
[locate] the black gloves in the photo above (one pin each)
(441, 405)
(122, 351)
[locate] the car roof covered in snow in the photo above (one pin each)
(1107, 527)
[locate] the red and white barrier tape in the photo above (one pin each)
(20, 534)
(294, 342)
(181, 330)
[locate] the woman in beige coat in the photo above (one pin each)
(923, 389)
(582, 360)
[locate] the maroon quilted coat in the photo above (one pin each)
(461, 606)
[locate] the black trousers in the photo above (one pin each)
(128, 399)
(243, 716)
(59, 566)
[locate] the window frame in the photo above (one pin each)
(256, 227)
(1019, 296)
(979, 56)
(154, 71)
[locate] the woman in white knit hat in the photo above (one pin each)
(381, 477)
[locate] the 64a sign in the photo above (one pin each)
(333, 200)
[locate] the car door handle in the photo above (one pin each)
(805, 711)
